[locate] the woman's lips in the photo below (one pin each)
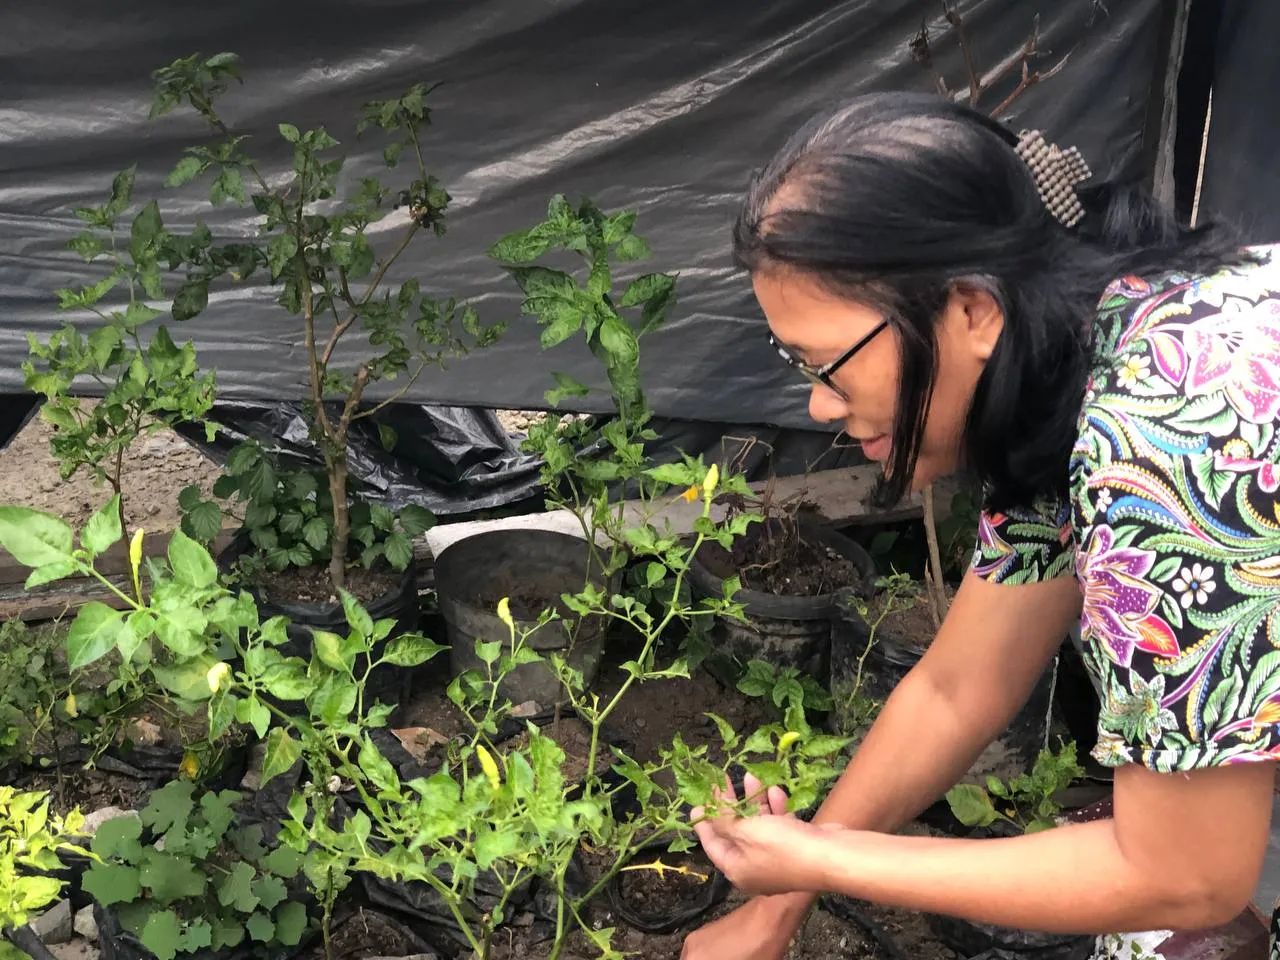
(876, 448)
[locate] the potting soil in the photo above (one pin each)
(312, 584)
(791, 569)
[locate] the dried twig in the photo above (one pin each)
(981, 84)
(937, 585)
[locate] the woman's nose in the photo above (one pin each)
(825, 405)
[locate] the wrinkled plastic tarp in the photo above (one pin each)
(639, 105)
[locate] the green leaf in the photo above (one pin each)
(146, 226)
(316, 533)
(289, 132)
(291, 923)
(377, 768)
(255, 713)
(93, 634)
(411, 650)
(646, 287)
(190, 299)
(186, 170)
(282, 248)
(34, 538)
(191, 562)
(235, 889)
(260, 927)
(632, 247)
(566, 386)
(227, 933)
(520, 247)
(416, 520)
(488, 651)
(229, 185)
(110, 883)
(386, 437)
(328, 647)
(163, 934)
(398, 550)
(356, 615)
(49, 573)
(971, 805)
(103, 528)
(270, 891)
(203, 522)
(188, 681)
(284, 862)
(493, 844)
(282, 753)
(823, 745)
(117, 838)
(198, 935)
(287, 680)
(170, 877)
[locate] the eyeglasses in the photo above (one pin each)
(823, 375)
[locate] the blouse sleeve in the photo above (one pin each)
(1175, 481)
(1024, 545)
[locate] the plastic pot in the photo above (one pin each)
(388, 683)
(707, 895)
(892, 657)
(785, 631)
(538, 566)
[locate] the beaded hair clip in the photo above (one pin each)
(1057, 172)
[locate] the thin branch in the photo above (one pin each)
(938, 588)
(966, 49)
(422, 365)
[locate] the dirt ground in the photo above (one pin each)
(156, 470)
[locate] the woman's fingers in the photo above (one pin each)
(777, 800)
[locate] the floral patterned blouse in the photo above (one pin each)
(1173, 522)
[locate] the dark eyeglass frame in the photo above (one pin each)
(823, 375)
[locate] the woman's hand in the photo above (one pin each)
(773, 852)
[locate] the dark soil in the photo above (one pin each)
(528, 598)
(312, 585)
(910, 625)
(88, 790)
(574, 738)
(791, 566)
(366, 934)
(651, 888)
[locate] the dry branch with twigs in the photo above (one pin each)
(979, 84)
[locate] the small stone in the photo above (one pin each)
(530, 708)
(252, 779)
(523, 919)
(641, 723)
(54, 925)
(153, 510)
(85, 924)
(96, 819)
(143, 731)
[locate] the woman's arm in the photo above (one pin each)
(979, 671)
(1182, 852)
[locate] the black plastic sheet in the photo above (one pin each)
(637, 104)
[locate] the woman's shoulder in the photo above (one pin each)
(1133, 307)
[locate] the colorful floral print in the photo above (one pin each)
(1173, 524)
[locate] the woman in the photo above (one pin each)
(1114, 381)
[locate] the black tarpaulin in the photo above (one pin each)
(665, 108)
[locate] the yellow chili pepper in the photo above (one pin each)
(489, 767)
(787, 739)
(713, 479)
(135, 561)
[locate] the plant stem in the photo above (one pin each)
(938, 590)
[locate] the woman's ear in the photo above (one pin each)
(977, 318)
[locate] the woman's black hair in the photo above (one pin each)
(894, 199)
